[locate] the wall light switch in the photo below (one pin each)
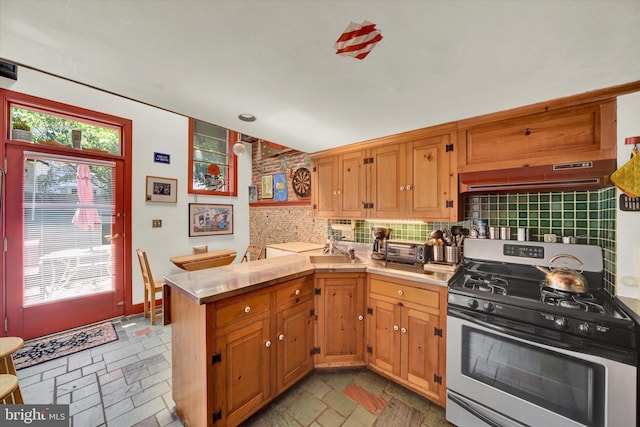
(156, 223)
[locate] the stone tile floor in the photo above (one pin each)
(128, 383)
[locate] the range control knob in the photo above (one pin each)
(584, 328)
(560, 323)
(488, 307)
(472, 303)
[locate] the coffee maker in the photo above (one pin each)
(381, 235)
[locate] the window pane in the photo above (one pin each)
(211, 157)
(49, 127)
(210, 144)
(67, 213)
(213, 131)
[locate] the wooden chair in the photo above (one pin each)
(200, 249)
(253, 253)
(151, 287)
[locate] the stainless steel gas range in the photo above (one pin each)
(524, 351)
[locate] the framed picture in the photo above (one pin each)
(280, 193)
(207, 219)
(253, 194)
(162, 189)
(267, 187)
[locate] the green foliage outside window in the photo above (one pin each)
(48, 127)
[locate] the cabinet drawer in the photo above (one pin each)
(241, 307)
(294, 291)
(406, 293)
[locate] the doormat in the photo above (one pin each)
(399, 414)
(52, 347)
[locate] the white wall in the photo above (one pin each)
(628, 223)
(154, 130)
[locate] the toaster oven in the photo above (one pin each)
(407, 251)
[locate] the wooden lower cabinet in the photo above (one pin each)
(294, 344)
(243, 373)
(233, 356)
(406, 334)
(340, 319)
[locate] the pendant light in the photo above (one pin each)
(239, 149)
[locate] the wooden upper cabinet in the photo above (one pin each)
(388, 166)
(324, 187)
(514, 140)
(409, 175)
(416, 178)
(353, 184)
(339, 186)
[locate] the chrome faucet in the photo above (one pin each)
(332, 248)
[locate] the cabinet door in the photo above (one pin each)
(325, 187)
(243, 374)
(580, 133)
(340, 309)
(420, 355)
(428, 176)
(294, 343)
(353, 193)
(388, 181)
(384, 336)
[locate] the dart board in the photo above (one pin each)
(301, 182)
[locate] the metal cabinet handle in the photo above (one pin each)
(400, 292)
(408, 187)
(297, 292)
(267, 344)
(403, 330)
(361, 317)
(395, 327)
(247, 309)
(281, 337)
(402, 188)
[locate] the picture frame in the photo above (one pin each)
(253, 194)
(163, 190)
(267, 187)
(207, 219)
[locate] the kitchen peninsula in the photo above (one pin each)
(244, 333)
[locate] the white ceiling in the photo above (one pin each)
(438, 61)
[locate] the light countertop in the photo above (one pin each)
(632, 305)
(212, 284)
(297, 246)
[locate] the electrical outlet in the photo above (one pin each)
(156, 223)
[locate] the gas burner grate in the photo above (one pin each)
(571, 300)
(488, 284)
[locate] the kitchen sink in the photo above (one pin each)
(333, 259)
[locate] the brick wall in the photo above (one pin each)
(270, 223)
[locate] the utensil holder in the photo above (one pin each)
(438, 253)
(452, 254)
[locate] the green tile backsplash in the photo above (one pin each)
(590, 216)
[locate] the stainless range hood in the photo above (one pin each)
(587, 175)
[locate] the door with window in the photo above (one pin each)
(64, 219)
(63, 244)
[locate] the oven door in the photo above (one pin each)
(495, 378)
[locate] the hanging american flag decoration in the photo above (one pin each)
(358, 40)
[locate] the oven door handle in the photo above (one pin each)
(464, 405)
(527, 336)
(627, 357)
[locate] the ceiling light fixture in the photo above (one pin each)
(246, 117)
(239, 149)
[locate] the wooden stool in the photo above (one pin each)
(8, 346)
(8, 385)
